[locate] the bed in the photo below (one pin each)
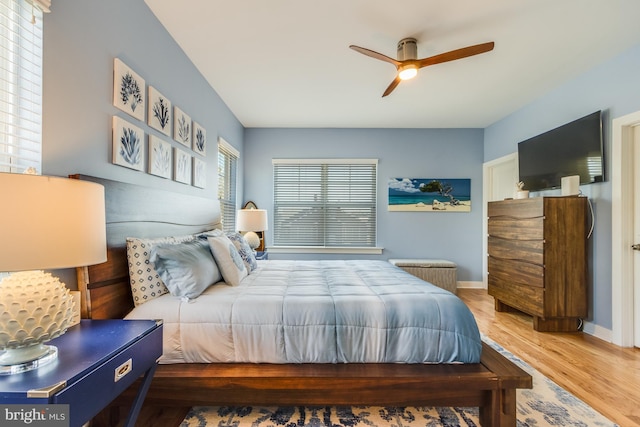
(132, 210)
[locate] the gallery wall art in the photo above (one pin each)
(199, 139)
(128, 144)
(159, 115)
(165, 121)
(128, 90)
(160, 156)
(199, 173)
(181, 166)
(181, 127)
(429, 194)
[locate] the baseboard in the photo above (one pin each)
(597, 331)
(470, 285)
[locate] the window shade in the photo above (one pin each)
(227, 176)
(325, 203)
(20, 86)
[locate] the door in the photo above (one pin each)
(636, 235)
(499, 179)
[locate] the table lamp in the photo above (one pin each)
(250, 221)
(45, 223)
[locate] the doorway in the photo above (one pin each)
(625, 230)
(499, 178)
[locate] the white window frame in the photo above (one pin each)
(279, 247)
(227, 183)
(21, 48)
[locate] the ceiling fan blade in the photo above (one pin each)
(392, 86)
(456, 54)
(375, 55)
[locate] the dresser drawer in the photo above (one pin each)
(516, 229)
(531, 251)
(513, 271)
(524, 208)
(111, 377)
(528, 299)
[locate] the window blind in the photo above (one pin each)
(326, 203)
(20, 86)
(227, 176)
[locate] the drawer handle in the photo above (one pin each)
(123, 370)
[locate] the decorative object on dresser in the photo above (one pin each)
(538, 259)
(254, 223)
(439, 272)
(46, 223)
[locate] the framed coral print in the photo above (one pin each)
(199, 139)
(181, 127)
(181, 166)
(160, 156)
(199, 173)
(128, 90)
(127, 141)
(159, 114)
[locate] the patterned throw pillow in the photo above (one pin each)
(145, 280)
(227, 257)
(245, 251)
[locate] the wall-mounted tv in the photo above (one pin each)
(575, 148)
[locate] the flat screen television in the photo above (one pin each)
(575, 148)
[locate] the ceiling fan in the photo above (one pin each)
(408, 63)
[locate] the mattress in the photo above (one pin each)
(353, 311)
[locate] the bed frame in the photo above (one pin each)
(133, 210)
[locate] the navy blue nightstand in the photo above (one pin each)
(97, 360)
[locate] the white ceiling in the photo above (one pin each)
(287, 63)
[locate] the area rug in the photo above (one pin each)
(546, 404)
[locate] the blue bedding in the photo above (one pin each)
(319, 312)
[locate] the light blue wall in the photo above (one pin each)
(411, 153)
(81, 39)
(612, 87)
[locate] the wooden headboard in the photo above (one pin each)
(136, 211)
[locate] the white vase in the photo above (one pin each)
(522, 194)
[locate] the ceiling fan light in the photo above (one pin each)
(407, 72)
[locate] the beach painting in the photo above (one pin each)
(429, 195)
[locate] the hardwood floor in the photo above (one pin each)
(604, 376)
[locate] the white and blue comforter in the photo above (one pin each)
(318, 312)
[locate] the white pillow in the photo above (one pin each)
(186, 269)
(145, 280)
(227, 257)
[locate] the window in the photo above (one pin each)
(325, 203)
(227, 176)
(21, 85)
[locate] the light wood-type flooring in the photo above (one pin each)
(603, 375)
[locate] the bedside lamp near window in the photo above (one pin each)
(45, 223)
(250, 221)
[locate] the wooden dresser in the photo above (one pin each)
(538, 259)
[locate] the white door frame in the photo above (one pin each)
(622, 220)
(487, 195)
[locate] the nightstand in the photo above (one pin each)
(97, 360)
(262, 255)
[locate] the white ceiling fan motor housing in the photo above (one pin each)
(407, 49)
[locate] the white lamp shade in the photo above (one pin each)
(252, 220)
(48, 223)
